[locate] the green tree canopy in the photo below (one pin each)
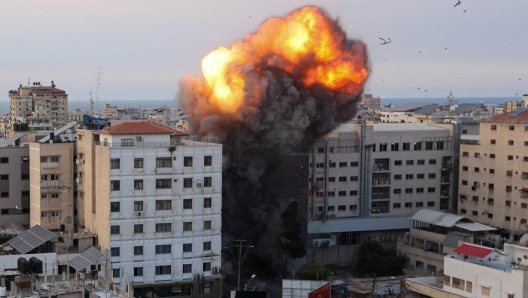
(375, 259)
(291, 241)
(313, 273)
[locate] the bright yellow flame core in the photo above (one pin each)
(306, 40)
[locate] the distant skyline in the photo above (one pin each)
(144, 48)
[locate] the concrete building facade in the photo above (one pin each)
(493, 183)
(154, 201)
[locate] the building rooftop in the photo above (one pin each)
(437, 218)
(406, 127)
(518, 116)
(140, 127)
(473, 250)
(409, 107)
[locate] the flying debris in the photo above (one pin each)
(425, 90)
(420, 52)
(464, 10)
(384, 41)
(458, 3)
(519, 79)
(446, 48)
(418, 88)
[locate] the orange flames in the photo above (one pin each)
(306, 43)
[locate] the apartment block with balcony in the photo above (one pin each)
(493, 173)
(367, 180)
(14, 185)
(52, 185)
(153, 197)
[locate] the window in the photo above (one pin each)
(408, 190)
(138, 163)
(207, 202)
(464, 168)
(163, 249)
(25, 176)
(428, 145)
(419, 190)
(420, 162)
(432, 161)
(383, 147)
(507, 218)
(430, 189)
(492, 171)
(342, 179)
(115, 251)
(463, 211)
(493, 142)
(524, 205)
(162, 270)
(409, 176)
(331, 179)
(353, 208)
(55, 195)
(208, 161)
(4, 159)
(208, 181)
(332, 165)
(205, 288)
(420, 176)
(138, 184)
(138, 205)
(397, 190)
(163, 204)
(419, 204)
(343, 164)
(485, 291)
(187, 226)
(115, 185)
(396, 205)
(493, 127)
(464, 182)
(410, 162)
(397, 162)
(43, 196)
(354, 164)
(187, 182)
(138, 271)
(320, 165)
(510, 142)
(417, 146)
(187, 247)
(354, 178)
(187, 268)
(395, 146)
(207, 245)
(432, 175)
(116, 273)
(397, 177)
(42, 213)
(511, 127)
(138, 229)
(353, 192)
(114, 230)
(465, 154)
(187, 203)
(508, 203)
(127, 142)
(439, 145)
(476, 169)
(163, 162)
(492, 155)
(4, 177)
(406, 146)
(341, 207)
(207, 225)
(4, 194)
(164, 183)
(115, 163)
(114, 206)
(408, 205)
(431, 204)
(331, 208)
(163, 227)
(187, 161)
(491, 186)
(342, 193)
(331, 193)
(206, 266)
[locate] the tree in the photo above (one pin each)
(313, 273)
(291, 241)
(373, 259)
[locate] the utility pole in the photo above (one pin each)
(241, 257)
(99, 79)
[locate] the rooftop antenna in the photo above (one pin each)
(99, 79)
(91, 103)
(451, 97)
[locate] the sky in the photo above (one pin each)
(477, 49)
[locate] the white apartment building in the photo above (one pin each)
(367, 180)
(154, 200)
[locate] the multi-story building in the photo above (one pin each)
(493, 172)
(367, 180)
(14, 185)
(52, 185)
(38, 101)
(154, 201)
(372, 103)
(77, 116)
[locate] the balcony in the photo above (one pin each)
(447, 165)
(133, 144)
(50, 183)
(50, 165)
(380, 167)
(379, 210)
(444, 193)
(445, 180)
(380, 182)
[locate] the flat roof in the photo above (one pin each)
(409, 106)
(442, 219)
(474, 227)
(359, 224)
(406, 127)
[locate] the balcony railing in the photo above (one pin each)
(133, 144)
(524, 194)
(444, 180)
(50, 183)
(380, 182)
(380, 196)
(380, 167)
(50, 165)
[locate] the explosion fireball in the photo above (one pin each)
(269, 95)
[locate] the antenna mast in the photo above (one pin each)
(99, 79)
(91, 104)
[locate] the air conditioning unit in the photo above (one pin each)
(199, 184)
(78, 180)
(139, 138)
(138, 213)
(79, 161)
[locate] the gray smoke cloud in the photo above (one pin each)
(279, 115)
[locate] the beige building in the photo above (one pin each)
(109, 111)
(37, 101)
(370, 102)
(52, 184)
(493, 179)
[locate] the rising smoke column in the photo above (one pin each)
(268, 96)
